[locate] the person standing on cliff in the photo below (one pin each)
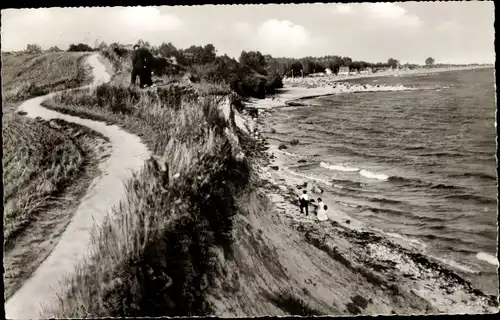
(147, 59)
(137, 66)
(304, 202)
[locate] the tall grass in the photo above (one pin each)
(38, 162)
(155, 255)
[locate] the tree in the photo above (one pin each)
(209, 53)
(346, 61)
(143, 44)
(254, 60)
(54, 49)
(102, 46)
(168, 50)
(81, 47)
(33, 48)
(393, 63)
(429, 61)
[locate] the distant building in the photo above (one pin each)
(343, 71)
(328, 71)
(366, 70)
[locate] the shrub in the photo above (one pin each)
(81, 47)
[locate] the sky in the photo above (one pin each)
(450, 32)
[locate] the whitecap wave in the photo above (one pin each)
(456, 265)
(491, 259)
(338, 167)
(373, 175)
(306, 176)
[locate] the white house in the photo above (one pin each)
(328, 71)
(343, 71)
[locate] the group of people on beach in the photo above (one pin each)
(141, 67)
(320, 209)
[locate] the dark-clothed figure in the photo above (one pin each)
(304, 202)
(146, 70)
(137, 65)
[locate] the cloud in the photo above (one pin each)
(392, 13)
(384, 14)
(63, 26)
(282, 35)
(149, 19)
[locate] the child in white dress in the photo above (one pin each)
(322, 213)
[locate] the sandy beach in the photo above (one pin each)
(300, 88)
(391, 264)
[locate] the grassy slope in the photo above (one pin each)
(45, 169)
(157, 256)
(28, 75)
(38, 160)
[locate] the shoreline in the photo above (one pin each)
(308, 88)
(419, 269)
(395, 73)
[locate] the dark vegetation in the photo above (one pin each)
(251, 76)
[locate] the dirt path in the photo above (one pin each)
(127, 155)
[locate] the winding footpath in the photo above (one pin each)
(128, 155)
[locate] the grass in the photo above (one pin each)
(156, 258)
(149, 114)
(38, 161)
(29, 75)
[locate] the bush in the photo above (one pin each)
(81, 47)
(33, 48)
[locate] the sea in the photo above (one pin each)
(414, 159)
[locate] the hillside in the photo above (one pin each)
(208, 227)
(47, 166)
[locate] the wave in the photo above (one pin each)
(381, 176)
(441, 154)
(400, 213)
(407, 239)
(385, 200)
(306, 176)
(338, 167)
(349, 205)
(373, 175)
(349, 183)
(476, 198)
(473, 175)
(414, 148)
(445, 186)
(456, 265)
(491, 259)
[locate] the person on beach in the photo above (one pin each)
(137, 66)
(320, 205)
(304, 202)
(322, 213)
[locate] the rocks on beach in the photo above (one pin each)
(338, 86)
